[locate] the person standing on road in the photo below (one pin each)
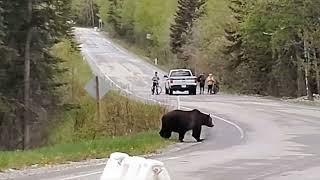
(155, 80)
(210, 82)
(202, 81)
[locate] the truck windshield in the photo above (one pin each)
(180, 73)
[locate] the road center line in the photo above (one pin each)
(83, 175)
(222, 119)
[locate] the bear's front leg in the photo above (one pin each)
(181, 136)
(196, 133)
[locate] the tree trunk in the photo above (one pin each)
(307, 69)
(92, 13)
(300, 76)
(27, 78)
(317, 69)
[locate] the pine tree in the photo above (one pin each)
(29, 36)
(233, 35)
(1, 24)
(181, 30)
(114, 18)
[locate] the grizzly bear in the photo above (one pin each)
(182, 121)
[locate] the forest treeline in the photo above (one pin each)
(29, 89)
(254, 47)
(43, 75)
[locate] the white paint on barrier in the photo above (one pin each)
(132, 166)
(120, 166)
(153, 170)
(113, 169)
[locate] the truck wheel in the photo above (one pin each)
(195, 91)
(170, 91)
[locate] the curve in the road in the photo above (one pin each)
(280, 139)
(241, 131)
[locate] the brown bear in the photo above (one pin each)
(182, 121)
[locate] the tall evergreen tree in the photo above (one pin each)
(233, 34)
(116, 20)
(84, 12)
(181, 30)
(29, 34)
(113, 16)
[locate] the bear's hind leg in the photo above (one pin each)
(196, 133)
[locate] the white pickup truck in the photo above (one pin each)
(181, 80)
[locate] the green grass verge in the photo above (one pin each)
(137, 144)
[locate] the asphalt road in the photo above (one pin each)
(254, 138)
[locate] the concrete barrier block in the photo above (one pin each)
(132, 166)
(120, 166)
(153, 170)
(114, 168)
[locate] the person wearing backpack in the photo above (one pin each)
(210, 81)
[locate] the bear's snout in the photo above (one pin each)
(210, 122)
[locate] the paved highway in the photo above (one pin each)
(254, 138)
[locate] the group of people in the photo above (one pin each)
(211, 83)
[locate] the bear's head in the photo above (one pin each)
(165, 134)
(205, 118)
(208, 121)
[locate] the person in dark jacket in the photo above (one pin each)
(202, 81)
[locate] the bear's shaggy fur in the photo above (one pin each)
(182, 121)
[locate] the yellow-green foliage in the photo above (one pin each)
(209, 35)
(142, 17)
(148, 16)
(155, 17)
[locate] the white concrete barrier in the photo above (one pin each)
(132, 166)
(120, 166)
(153, 170)
(114, 168)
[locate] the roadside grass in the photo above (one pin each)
(136, 144)
(120, 115)
(76, 134)
(304, 100)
